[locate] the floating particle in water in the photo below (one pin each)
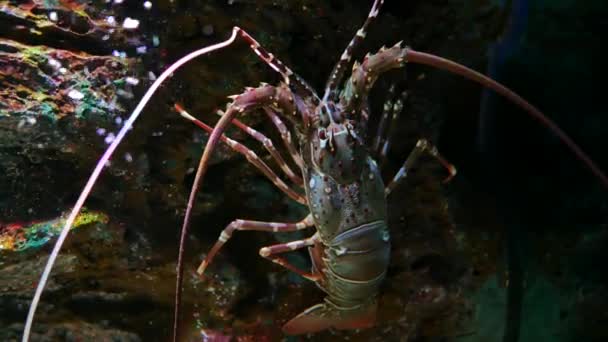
(75, 94)
(118, 120)
(116, 53)
(125, 94)
(128, 157)
(132, 80)
(101, 131)
(63, 70)
(141, 49)
(208, 29)
(53, 16)
(130, 23)
(155, 40)
(109, 138)
(151, 76)
(147, 5)
(111, 20)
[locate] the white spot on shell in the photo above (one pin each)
(371, 176)
(311, 183)
(385, 235)
(327, 190)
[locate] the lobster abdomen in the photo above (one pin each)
(353, 266)
(355, 263)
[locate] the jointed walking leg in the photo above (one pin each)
(278, 227)
(269, 147)
(270, 251)
(251, 156)
(421, 146)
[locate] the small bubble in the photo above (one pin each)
(132, 80)
(109, 138)
(130, 23)
(208, 29)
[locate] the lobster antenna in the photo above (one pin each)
(99, 167)
(214, 137)
(336, 75)
(413, 56)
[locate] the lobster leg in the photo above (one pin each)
(391, 115)
(250, 100)
(421, 146)
(251, 156)
(269, 146)
(286, 136)
(235, 225)
(386, 112)
(354, 96)
(269, 252)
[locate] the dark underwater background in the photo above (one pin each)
(514, 248)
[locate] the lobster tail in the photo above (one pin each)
(327, 315)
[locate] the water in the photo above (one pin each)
(510, 250)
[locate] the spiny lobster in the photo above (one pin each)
(343, 186)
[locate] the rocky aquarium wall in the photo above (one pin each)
(511, 249)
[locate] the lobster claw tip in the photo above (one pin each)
(322, 316)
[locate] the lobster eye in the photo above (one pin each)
(322, 134)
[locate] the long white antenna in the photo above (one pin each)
(99, 167)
